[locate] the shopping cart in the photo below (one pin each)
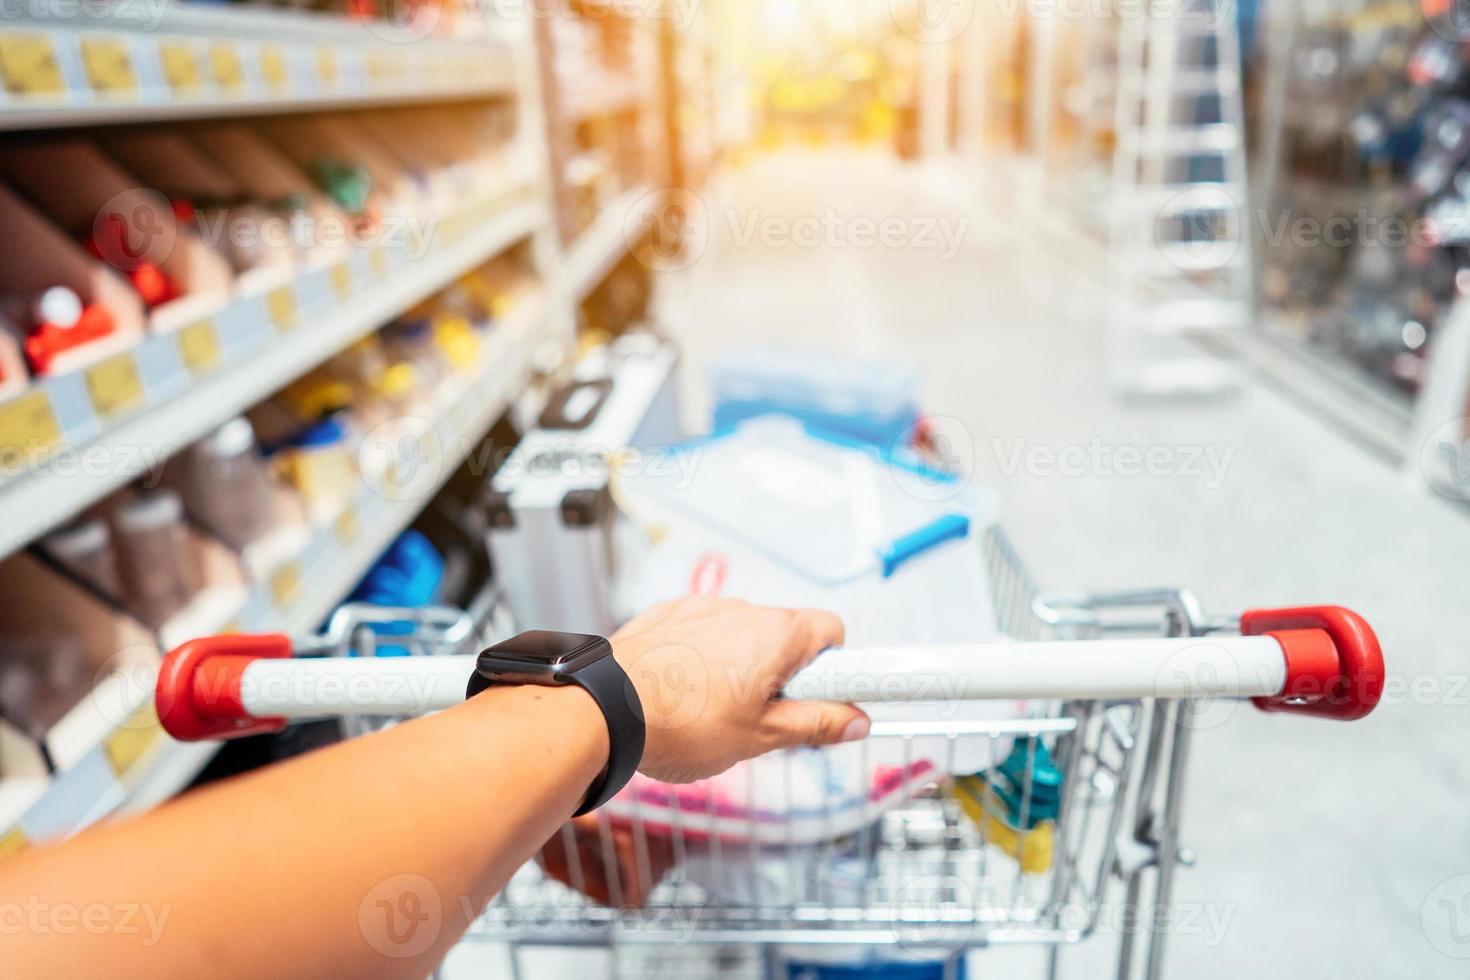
(1081, 788)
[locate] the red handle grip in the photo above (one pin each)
(198, 692)
(1334, 665)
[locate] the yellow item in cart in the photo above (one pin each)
(1033, 849)
(457, 341)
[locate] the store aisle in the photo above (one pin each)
(1255, 503)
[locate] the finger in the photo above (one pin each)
(812, 631)
(793, 723)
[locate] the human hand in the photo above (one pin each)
(709, 672)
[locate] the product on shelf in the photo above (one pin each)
(123, 224)
(160, 568)
(52, 260)
(53, 323)
(203, 196)
(226, 484)
(85, 550)
(317, 462)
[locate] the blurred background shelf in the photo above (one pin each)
(599, 248)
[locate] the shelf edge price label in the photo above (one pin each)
(180, 67)
(115, 386)
(12, 842)
(273, 66)
(280, 303)
(348, 527)
(199, 348)
(132, 740)
(378, 261)
(28, 427)
(285, 585)
(341, 278)
(109, 65)
(326, 65)
(28, 65)
(225, 60)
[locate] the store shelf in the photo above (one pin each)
(72, 440)
(137, 765)
(599, 248)
(64, 64)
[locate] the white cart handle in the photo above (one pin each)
(1318, 660)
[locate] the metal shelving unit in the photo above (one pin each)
(69, 65)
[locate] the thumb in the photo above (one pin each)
(794, 723)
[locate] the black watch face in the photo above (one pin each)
(549, 651)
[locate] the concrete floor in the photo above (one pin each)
(1326, 849)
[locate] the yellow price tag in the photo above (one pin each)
(109, 65)
(286, 585)
(12, 842)
(341, 276)
(348, 526)
(28, 62)
(225, 61)
(180, 67)
(377, 67)
(326, 65)
(28, 427)
(115, 386)
(378, 260)
(125, 746)
(273, 66)
(199, 347)
(280, 303)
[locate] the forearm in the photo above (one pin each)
(323, 866)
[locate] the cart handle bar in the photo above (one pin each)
(1319, 660)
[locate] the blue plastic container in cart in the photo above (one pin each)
(877, 971)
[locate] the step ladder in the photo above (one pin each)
(1180, 298)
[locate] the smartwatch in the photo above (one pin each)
(556, 659)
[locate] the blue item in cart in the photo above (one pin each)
(875, 971)
(407, 576)
(870, 401)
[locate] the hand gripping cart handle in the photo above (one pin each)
(1314, 660)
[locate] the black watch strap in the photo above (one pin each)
(606, 683)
